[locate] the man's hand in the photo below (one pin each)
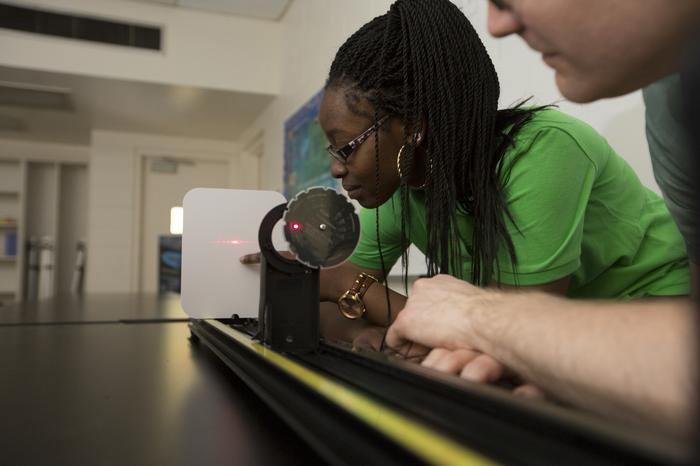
(476, 367)
(370, 338)
(439, 314)
(469, 364)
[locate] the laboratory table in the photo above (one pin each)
(115, 380)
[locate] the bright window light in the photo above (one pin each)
(176, 214)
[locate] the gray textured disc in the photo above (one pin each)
(321, 227)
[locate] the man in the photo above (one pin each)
(634, 360)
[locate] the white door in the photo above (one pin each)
(165, 182)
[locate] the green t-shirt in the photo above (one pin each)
(580, 211)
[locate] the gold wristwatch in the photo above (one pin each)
(350, 303)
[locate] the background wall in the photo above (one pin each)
(311, 32)
(116, 173)
(13, 149)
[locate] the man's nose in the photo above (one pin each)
(503, 22)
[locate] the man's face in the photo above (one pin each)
(601, 48)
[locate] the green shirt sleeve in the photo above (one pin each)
(367, 253)
(547, 191)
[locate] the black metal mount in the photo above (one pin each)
(289, 295)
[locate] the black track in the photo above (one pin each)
(492, 423)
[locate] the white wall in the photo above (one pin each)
(40, 151)
(115, 200)
(312, 31)
(199, 49)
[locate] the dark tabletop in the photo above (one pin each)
(129, 394)
(94, 308)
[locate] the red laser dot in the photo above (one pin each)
(295, 226)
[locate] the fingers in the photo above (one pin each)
(448, 361)
(528, 391)
(253, 258)
(408, 351)
(370, 338)
(287, 254)
(395, 351)
(483, 369)
(469, 364)
(416, 353)
(434, 356)
(395, 337)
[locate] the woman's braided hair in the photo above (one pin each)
(423, 61)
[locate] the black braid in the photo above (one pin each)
(423, 61)
(385, 272)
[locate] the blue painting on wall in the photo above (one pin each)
(306, 162)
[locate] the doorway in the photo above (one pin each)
(165, 181)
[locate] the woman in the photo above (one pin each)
(525, 197)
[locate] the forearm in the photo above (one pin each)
(335, 282)
(628, 360)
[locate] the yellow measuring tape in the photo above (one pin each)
(413, 436)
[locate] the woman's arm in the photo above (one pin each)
(337, 280)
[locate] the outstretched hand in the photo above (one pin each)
(440, 323)
(439, 314)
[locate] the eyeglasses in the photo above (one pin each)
(346, 151)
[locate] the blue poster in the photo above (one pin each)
(306, 162)
(169, 263)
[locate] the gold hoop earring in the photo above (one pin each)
(427, 173)
(398, 161)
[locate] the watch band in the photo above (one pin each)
(362, 283)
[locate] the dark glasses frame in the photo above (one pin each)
(346, 151)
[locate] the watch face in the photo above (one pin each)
(321, 227)
(351, 306)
